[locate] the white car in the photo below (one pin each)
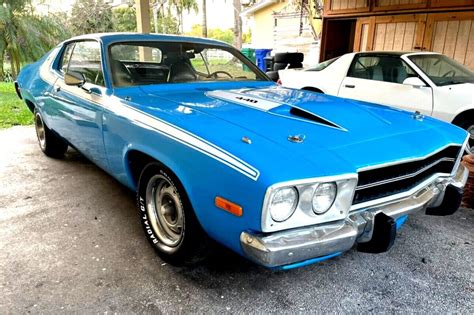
(428, 82)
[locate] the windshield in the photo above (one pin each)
(443, 70)
(322, 65)
(177, 62)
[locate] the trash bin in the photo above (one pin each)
(260, 55)
(250, 54)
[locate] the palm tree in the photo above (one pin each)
(204, 19)
(25, 36)
(180, 6)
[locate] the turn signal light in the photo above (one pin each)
(228, 206)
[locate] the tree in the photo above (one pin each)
(226, 35)
(25, 36)
(91, 16)
(237, 24)
(204, 19)
(168, 15)
(124, 19)
(179, 6)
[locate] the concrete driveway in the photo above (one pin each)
(70, 241)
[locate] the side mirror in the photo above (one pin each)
(414, 81)
(74, 78)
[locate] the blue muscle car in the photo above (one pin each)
(216, 150)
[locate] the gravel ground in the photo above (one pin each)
(70, 241)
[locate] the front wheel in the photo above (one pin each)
(50, 143)
(167, 218)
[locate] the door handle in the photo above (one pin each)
(350, 86)
(57, 88)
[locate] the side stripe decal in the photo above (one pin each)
(163, 127)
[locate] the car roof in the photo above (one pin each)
(396, 53)
(108, 38)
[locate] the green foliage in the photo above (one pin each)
(91, 16)
(124, 19)
(13, 111)
(25, 36)
(167, 25)
(247, 37)
(226, 35)
(170, 14)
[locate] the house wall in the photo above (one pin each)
(263, 24)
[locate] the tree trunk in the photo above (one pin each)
(2, 60)
(155, 17)
(204, 19)
(13, 69)
(237, 24)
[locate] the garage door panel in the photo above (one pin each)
(409, 36)
(469, 60)
(462, 41)
(451, 34)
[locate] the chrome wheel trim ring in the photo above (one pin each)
(470, 142)
(40, 131)
(165, 213)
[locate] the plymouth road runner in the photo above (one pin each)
(215, 150)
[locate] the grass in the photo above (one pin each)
(13, 111)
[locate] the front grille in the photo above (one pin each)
(385, 181)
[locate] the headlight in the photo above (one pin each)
(323, 197)
(283, 203)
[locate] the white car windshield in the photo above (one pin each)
(442, 70)
(159, 62)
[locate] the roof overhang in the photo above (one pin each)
(262, 4)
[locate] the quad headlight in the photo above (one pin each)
(323, 197)
(309, 201)
(283, 203)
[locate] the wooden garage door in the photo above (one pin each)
(390, 33)
(451, 34)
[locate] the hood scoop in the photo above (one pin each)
(306, 115)
(272, 107)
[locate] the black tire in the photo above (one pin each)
(467, 123)
(288, 57)
(51, 144)
(174, 231)
(273, 75)
(279, 66)
(295, 65)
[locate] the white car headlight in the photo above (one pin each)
(323, 197)
(283, 203)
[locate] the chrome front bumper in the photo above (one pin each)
(302, 244)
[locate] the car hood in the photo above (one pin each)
(307, 125)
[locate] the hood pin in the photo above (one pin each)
(296, 138)
(418, 116)
(246, 140)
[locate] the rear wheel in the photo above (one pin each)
(50, 143)
(167, 218)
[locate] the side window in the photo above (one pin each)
(388, 68)
(65, 58)
(86, 60)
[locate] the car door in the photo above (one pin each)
(79, 108)
(380, 79)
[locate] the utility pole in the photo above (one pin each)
(204, 19)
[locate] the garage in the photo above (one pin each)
(442, 26)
